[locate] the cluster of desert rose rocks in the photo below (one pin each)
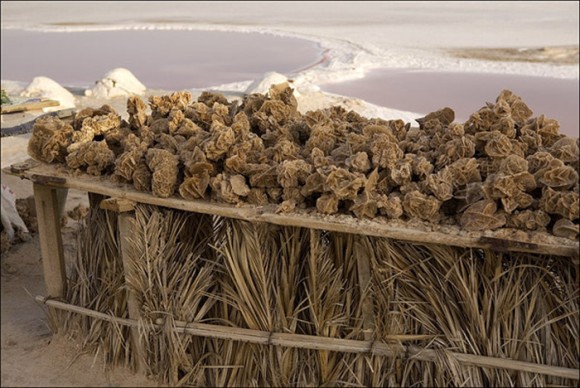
(501, 168)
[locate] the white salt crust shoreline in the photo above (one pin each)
(344, 59)
(355, 36)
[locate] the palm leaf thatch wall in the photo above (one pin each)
(427, 303)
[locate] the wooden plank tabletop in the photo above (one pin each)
(420, 232)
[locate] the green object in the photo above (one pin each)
(5, 99)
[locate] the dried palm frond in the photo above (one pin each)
(173, 283)
(479, 302)
(185, 267)
(95, 280)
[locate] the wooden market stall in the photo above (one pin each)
(322, 344)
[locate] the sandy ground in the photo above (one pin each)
(31, 356)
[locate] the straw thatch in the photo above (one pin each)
(428, 305)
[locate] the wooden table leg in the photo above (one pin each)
(61, 195)
(95, 200)
(51, 249)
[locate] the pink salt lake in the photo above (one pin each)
(161, 59)
(465, 93)
(174, 60)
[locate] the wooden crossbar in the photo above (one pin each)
(302, 341)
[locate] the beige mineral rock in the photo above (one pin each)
(94, 156)
(327, 204)
(566, 228)
(50, 140)
(500, 168)
(482, 215)
(163, 165)
(421, 206)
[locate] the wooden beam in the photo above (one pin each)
(331, 344)
(26, 106)
(422, 233)
(61, 196)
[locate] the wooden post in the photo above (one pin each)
(51, 249)
(95, 200)
(125, 219)
(363, 253)
(61, 195)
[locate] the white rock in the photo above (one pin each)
(262, 85)
(306, 89)
(13, 88)
(117, 82)
(10, 216)
(44, 87)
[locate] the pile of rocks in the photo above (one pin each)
(501, 168)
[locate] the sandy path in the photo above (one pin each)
(30, 355)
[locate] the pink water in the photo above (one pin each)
(173, 60)
(465, 93)
(161, 59)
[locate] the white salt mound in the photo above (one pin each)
(118, 82)
(262, 85)
(13, 88)
(44, 87)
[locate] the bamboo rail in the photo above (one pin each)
(325, 343)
